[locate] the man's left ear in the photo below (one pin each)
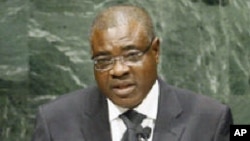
(156, 48)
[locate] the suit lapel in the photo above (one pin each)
(97, 126)
(167, 126)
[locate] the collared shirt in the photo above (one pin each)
(148, 107)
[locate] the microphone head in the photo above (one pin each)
(147, 132)
(143, 133)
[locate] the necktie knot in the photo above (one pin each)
(133, 120)
(132, 117)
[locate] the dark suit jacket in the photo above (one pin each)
(182, 116)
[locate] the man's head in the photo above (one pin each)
(125, 31)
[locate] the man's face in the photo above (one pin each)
(125, 85)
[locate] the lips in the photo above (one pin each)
(123, 89)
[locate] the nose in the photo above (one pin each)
(119, 69)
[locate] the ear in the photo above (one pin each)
(156, 48)
(92, 52)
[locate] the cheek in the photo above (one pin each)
(149, 66)
(101, 79)
(146, 73)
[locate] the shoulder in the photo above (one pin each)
(195, 103)
(78, 100)
(200, 101)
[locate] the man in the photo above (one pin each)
(125, 52)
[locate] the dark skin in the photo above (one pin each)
(124, 85)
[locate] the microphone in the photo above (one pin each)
(147, 132)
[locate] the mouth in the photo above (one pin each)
(123, 90)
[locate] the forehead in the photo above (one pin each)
(119, 36)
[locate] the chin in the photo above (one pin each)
(129, 104)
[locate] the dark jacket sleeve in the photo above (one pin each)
(41, 132)
(223, 129)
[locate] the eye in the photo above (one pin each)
(103, 60)
(132, 56)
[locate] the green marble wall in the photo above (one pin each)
(44, 52)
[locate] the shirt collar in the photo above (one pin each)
(148, 106)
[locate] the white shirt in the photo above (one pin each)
(148, 107)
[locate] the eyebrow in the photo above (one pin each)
(101, 53)
(129, 47)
